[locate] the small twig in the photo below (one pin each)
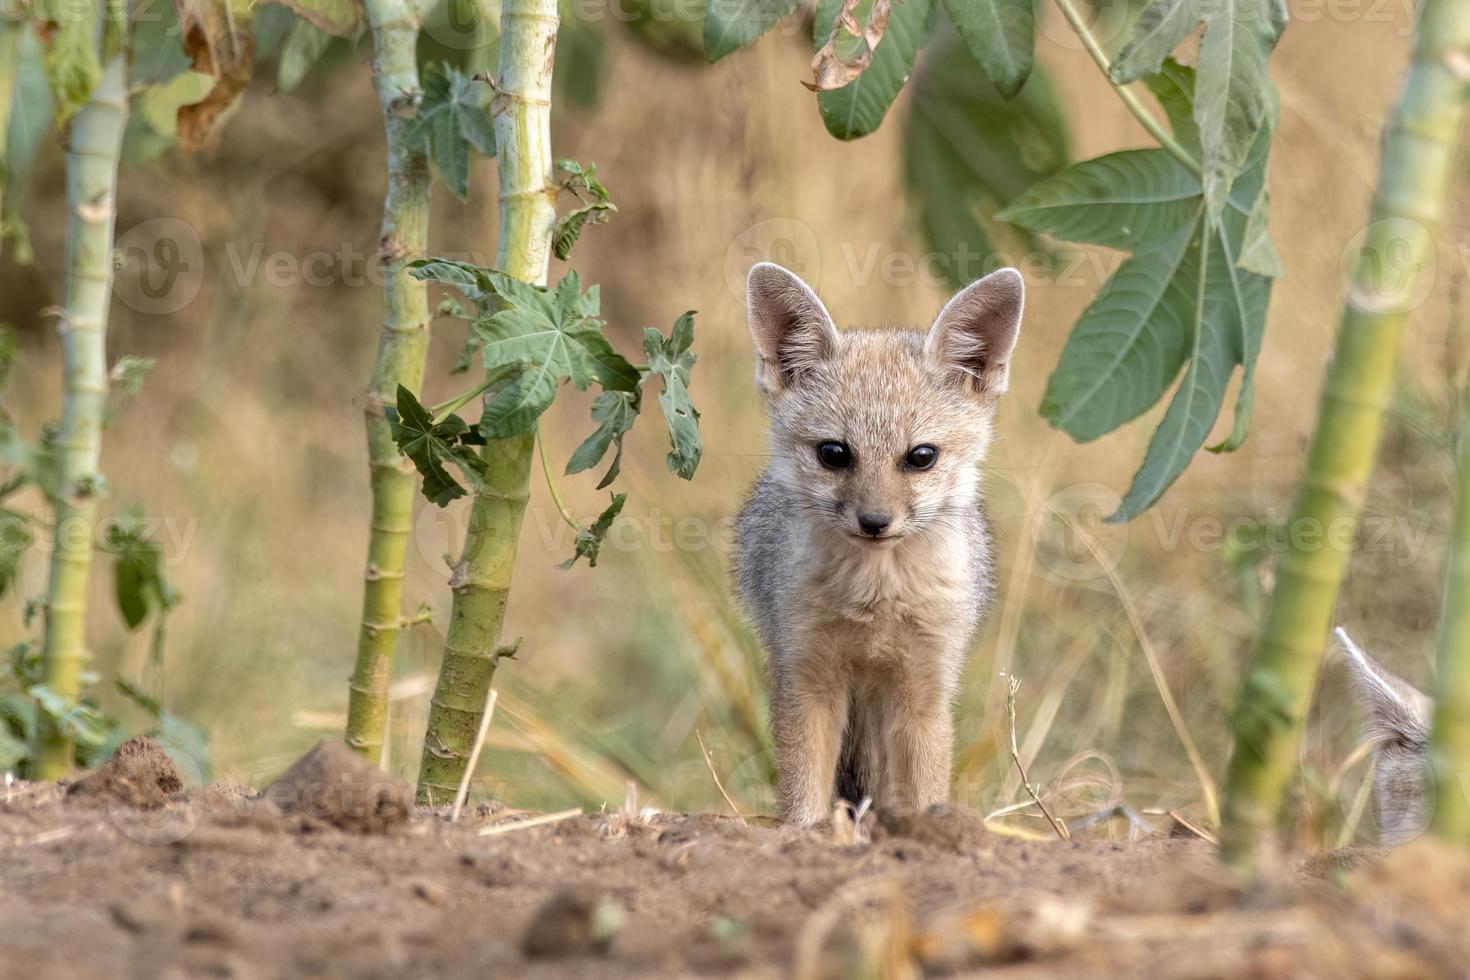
(710, 763)
(1056, 825)
(1193, 828)
(561, 508)
(469, 769)
(507, 827)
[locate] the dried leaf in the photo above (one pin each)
(217, 46)
(831, 70)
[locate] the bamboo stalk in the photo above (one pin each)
(403, 343)
(482, 577)
(1414, 174)
(1449, 748)
(91, 188)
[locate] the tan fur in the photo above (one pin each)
(867, 637)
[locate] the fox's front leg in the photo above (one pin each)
(921, 733)
(809, 709)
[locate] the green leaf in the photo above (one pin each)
(730, 25)
(569, 226)
(589, 539)
(304, 46)
(469, 279)
(858, 108)
(13, 750)
(580, 61)
(453, 118)
(156, 52)
(15, 538)
(1233, 96)
(73, 67)
(1001, 36)
(150, 704)
(9, 356)
(1180, 300)
(555, 336)
(141, 587)
(614, 412)
(672, 360)
(75, 720)
(1173, 86)
(968, 150)
(431, 445)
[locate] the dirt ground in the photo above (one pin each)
(127, 873)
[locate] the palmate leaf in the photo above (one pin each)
(1001, 34)
(554, 336)
(431, 445)
(858, 108)
(968, 151)
(672, 359)
(614, 412)
(1181, 300)
(452, 119)
(730, 25)
(1233, 100)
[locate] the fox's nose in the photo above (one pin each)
(873, 522)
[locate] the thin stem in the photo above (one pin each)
(1057, 826)
(454, 404)
(1100, 57)
(561, 508)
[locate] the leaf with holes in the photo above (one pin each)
(672, 360)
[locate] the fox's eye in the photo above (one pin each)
(921, 457)
(834, 455)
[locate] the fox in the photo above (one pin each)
(862, 557)
(1398, 719)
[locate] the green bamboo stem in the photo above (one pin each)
(482, 577)
(1449, 748)
(91, 189)
(1414, 174)
(403, 342)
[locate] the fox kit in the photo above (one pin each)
(1398, 718)
(863, 556)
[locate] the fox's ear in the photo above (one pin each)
(792, 330)
(974, 334)
(1396, 711)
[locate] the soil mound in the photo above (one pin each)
(140, 774)
(331, 785)
(946, 826)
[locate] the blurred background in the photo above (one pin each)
(246, 443)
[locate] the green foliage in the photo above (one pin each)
(595, 206)
(72, 63)
(732, 24)
(1181, 300)
(15, 537)
(532, 340)
(672, 359)
(452, 120)
(140, 585)
(431, 445)
(1001, 36)
(589, 539)
(581, 56)
(303, 47)
(858, 107)
(1234, 99)
(968, 150)
(340, 18)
